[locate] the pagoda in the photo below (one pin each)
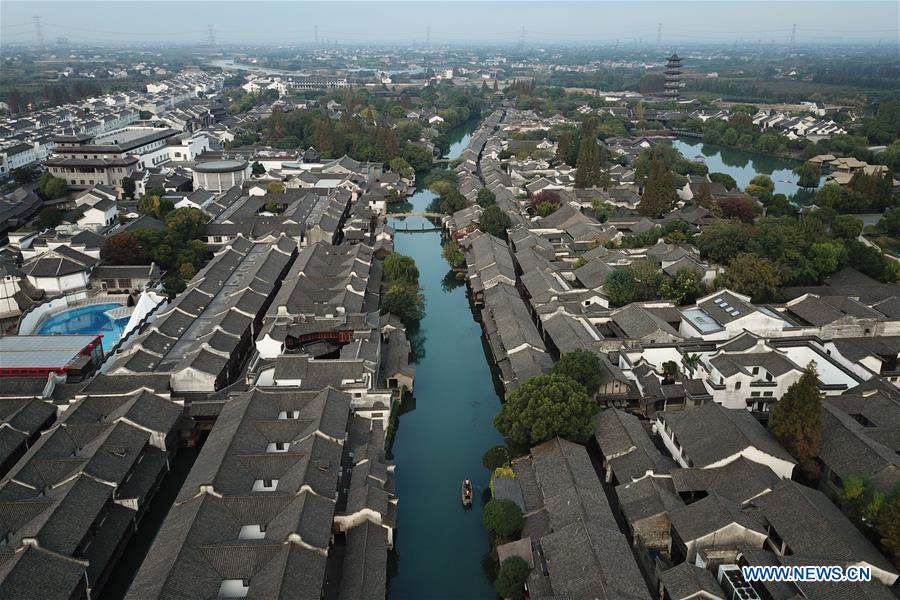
(673, 76)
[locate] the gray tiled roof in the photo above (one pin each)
(709, 515)
(31, 572)
(637, 322)
(739, 481)
(200, 544)
(813, 527)
(686, 581)
(364, 573)
(710, 433)
(724, 315)
(627, 446)
(648, 497)
(586, 554)
(773, 362)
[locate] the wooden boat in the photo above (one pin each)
(467, 493)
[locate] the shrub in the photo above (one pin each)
(511, 578)
(495, 457)
(502, 518)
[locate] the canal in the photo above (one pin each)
(744, 166)
(440, 547)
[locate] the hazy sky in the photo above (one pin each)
(457, 21)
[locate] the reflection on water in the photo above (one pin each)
(441, 549)
(452, 280)
(744, 166)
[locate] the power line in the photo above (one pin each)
(38, 31)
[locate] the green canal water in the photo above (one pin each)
(744, 166)
(441, 548)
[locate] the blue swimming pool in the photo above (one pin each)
(88, 319)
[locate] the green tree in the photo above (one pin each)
(275, 187)
(545, 209)
(494, 221)
(544, 407)
(890, 222)
(186, 223)
(550, 197)
(502, 518)
(855, 490)
(452, 200)
(486, 198)
(725, 179)
(24, 175)
(398, 268)
(174, 285)
(827, 257)
(49, 217)
(400, 166)
(603, 210)
(511, 578)
(187, 271)
(566, 147)
(620, 287)
(670, 371)
(887, 524)
(647, 279)
(128, 187)
(404, 301)
(691, 362)
(761, 187)
(152, 204)
(808, 175)
(588, 169)
(754, 275)
(453, 255)
(53, 187)
(848, 227)
(258, 169)
(418, 156)
(581, 365)
(684, 288)
(659, 190)
(497, 456)
(796, 420)
(704, 196)
(871, 261)
(723, 240)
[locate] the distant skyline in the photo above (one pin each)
(459, 22)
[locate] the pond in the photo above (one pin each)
(744, 166)
(441, 547)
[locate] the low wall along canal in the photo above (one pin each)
(440, 546)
